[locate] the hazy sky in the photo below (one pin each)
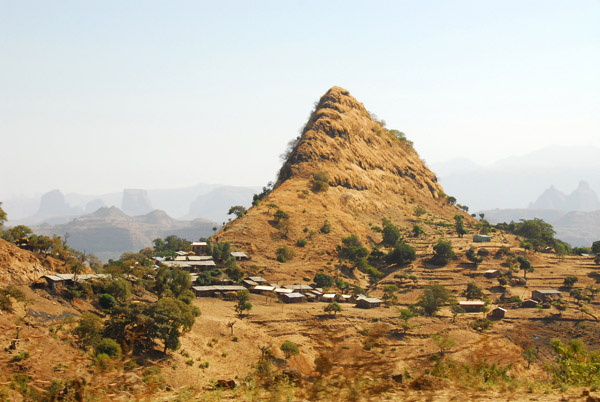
(97, 96)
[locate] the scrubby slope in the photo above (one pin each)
(372, 173)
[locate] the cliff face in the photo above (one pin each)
(372, 173)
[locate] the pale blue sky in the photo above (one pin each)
(97, 96)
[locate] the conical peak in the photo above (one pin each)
(339, 99)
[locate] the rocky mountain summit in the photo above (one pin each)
(347, 169)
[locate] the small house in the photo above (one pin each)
(299, 288)
(263, 289)
(368, 302)
(280, 291)
(344, 298)
(258, 279)
(492, 273)
(530, 303)
(328, 297)
(239, 256)
(293, 297)
(249, 283)
(472, 306)
(199, 247)
(497, 313)
(543, 295)
(481, 238)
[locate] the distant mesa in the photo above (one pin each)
(136, 202)
(582, 199)
(53, 204)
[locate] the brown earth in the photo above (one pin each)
(22, 267)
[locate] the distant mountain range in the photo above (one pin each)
(515, 181)
(208, 201)
(109, 232)
(575, 217)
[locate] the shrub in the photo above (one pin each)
(289, 349)
(323, 280)
(481, 325)
(107, 301)
(472, 292)
(569, 281)
(108, 347)
(326, 228)
(88, 330)
(320, 182)
(417, 231)
(473, 257)
(119, 288)
(284, 253)
(301, 242)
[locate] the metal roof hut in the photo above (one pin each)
(492, 273)
(258, 279)
(472, 306)
(497, 313)
(199, 247)
(240, 256)
(543, 295)
(530, 303)
(481, 238)
(293, 297)
(368, 302)
(328, 297)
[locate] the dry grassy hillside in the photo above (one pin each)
(23, 267)
(372, 173)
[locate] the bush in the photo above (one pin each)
(108, 347)
(301, 242)
(320, 182)
(326, 228)
(107, 301)
(88, 330)
(473, 257)
(119, 288)
(289, 349)
(284, 253)
(569, 281)
(481, 325)
(323, 280)
(473, 292)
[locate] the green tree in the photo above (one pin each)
(417, 231)
(433, 297)
(233, 271)
(3, 216)
(525, 265)
(473, 257)
(389, 294)
(390, 232)
(473, 292)
(323, 280)
(459, 225)
(171, 282)
(289, 349)
(333, 307)
(243, 303)
(170, 319)
(444, 343)
(442, 252)
(237, 210)
(282, 222)
(16, 233)
(530, 355)
(401, 254)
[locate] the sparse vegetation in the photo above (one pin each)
(320, 182)
(284, 254)
(326, 228)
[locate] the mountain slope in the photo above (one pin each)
(372, 174)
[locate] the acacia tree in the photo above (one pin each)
(289, 349)
(170, 319)
(333, 307)
(243, 303)
(237, 210)
(525, 265)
